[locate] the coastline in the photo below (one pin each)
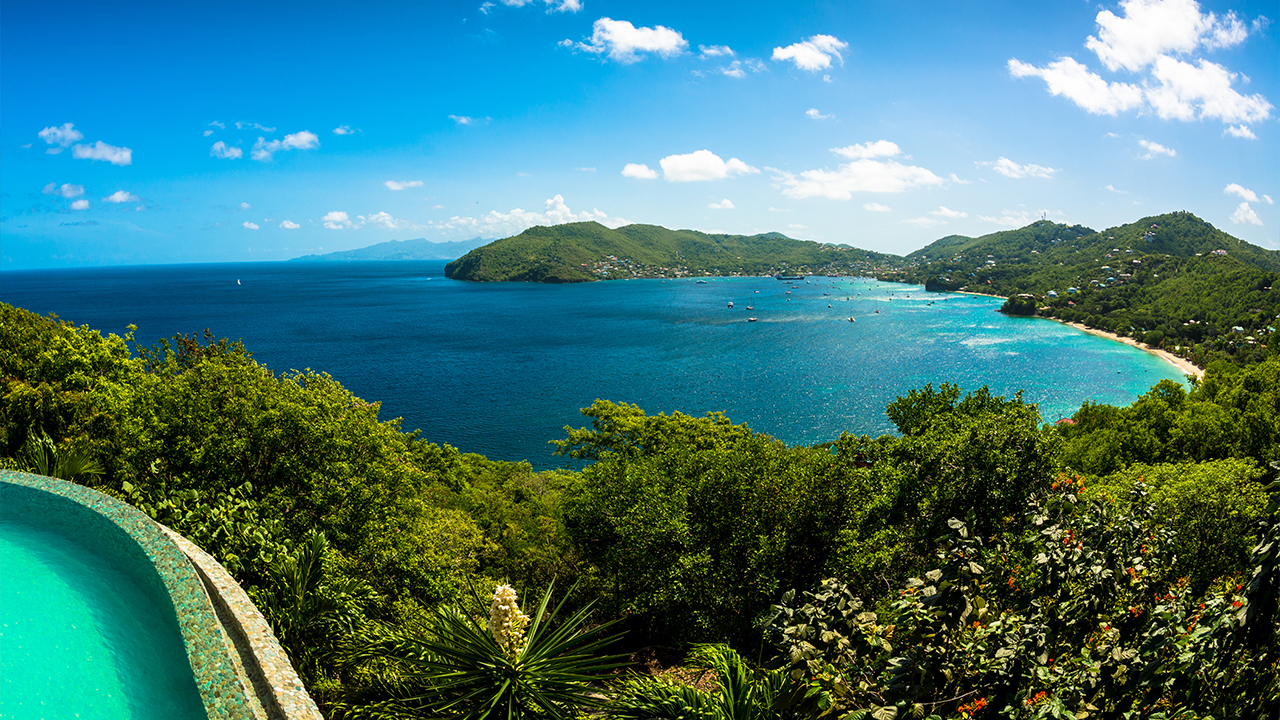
(1186, 366)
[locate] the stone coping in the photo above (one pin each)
(129, 532)
(277, 685)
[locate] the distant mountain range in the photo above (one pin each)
(419, 249)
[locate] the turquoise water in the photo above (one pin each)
(501, 368)
(79, 640)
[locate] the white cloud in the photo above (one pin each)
(221, 150)
(343, 130)
(707, 51)
(1240, 131)
(1112, 188)
(944, 211)
(207, 133)
(120, 196)
(60, 136)
(244, 206)
(552, 5)
(925, 222)
(1243, 214)
(84, 205)
(396, 185)
(250, 226)
(218, 125)
(879, 148)
(499, 224)
(102, 151)
(1149, 39)
(1154, 149)
(1151, 28)
(1243, 192)
(813, 53)
(738, 68)
(865, 173)
(623, 42)
(702, 165)
(815, 114)
(1069, 78)
(462, 119)
(66, 190)
(287, 225)
(301, 141)
(876, 207)
(586, 169)
(380, 219)
(336, 220)
(638, 170)
(1188, 92)
(304, 140)
(1009, 168)
(956, 179)
(724, 204)
(254, 126)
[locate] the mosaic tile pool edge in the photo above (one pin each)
(289, 698)
(220, 687)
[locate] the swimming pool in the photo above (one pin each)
(101, 616)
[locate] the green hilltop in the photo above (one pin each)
(1172, 281)
(587, 251)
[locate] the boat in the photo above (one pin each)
(853, 319)
(730, 305)
(751, 319)
(789, 277)
(749, 307)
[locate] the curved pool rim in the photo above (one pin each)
(168, 575)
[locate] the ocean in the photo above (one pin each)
(501, 368)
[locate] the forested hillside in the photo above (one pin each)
(978, 563)
(581, 252)
(1171, 281)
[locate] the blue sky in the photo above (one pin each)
(177, 132)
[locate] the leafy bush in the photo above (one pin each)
(1075, 616)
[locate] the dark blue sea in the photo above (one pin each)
(501, 368)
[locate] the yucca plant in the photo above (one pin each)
(743, 693)
(513, 666)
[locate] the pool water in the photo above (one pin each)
(79, 638)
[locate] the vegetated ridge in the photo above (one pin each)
(1171, 281)
(587, 251)
(419, 249)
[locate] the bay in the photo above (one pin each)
(501, 368)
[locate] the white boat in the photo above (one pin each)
(731, 305)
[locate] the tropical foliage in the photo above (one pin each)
(1120, 563)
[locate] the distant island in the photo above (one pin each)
(419, 249)
(589, 251)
